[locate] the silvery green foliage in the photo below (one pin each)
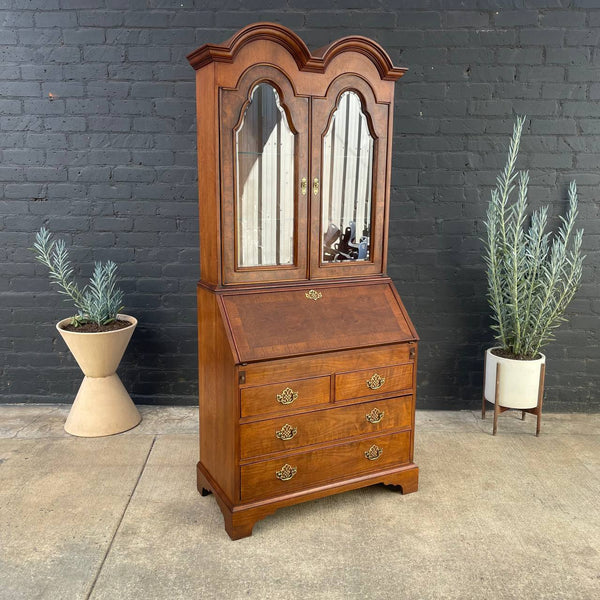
(99, 301)
(531, 277)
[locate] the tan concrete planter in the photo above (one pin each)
(102, 405)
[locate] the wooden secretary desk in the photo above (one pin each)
(307, 357)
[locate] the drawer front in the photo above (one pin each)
(264, 373)
(374, 381)
(285, 397)
(274, 478)
(295, 431)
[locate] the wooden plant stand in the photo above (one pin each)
(499, 409)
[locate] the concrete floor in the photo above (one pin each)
(507, 517)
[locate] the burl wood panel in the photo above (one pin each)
(305, 393)
(275, 324)
(259, 480)
(355, 384)
(260, 438)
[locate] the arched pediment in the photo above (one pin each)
(305, 60)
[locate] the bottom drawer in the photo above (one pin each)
(274, 478)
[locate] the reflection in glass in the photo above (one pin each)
(346, 183)
(265, 182)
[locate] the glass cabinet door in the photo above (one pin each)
(346, 179)
(265, 174)
(349, 144)
(264, 158)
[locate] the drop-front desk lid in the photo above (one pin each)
(304, 320)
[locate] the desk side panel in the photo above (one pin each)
(218, 393)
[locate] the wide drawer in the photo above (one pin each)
(267, 372)
(374, 381)
(285, 397)
(278, 477)
(295, 431)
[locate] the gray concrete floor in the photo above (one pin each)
(511, 516)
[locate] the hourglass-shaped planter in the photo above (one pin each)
(102, 405)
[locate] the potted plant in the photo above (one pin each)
(97, 337)
(532, 277)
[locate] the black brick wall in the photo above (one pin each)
(108, 162)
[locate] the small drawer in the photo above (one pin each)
(373, 382)
(278, 477)
(296, 431)
(285, 397)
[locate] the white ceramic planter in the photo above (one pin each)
(102, 405)
(519, 382)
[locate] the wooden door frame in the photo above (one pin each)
(232, 105)
(378, 115)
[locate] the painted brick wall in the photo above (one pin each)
(97, 143)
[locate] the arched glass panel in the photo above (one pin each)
(347, 176)
(265, 182)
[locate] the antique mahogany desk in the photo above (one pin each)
(307, 357)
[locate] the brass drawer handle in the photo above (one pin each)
(374, 452)
(303, 186)
(375, 416)
(287, 396)
(287, 432)
(286, 472)
(375, 382)
(316, 186)
(313, 295)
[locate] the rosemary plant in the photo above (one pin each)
(531, 277)
(99, 301)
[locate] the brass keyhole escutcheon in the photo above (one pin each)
(375, 382)
(287, 396)
(303, 186)
(316, 186)
(375, 416)
(287, 432)
(374, 452)
(286, 472)
(313, 295)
